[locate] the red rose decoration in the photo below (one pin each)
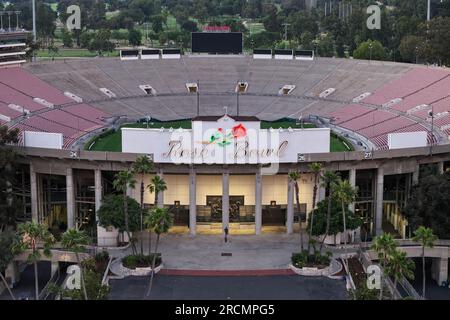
(239, 131)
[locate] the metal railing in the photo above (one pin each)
(43, 295)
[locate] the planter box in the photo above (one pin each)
(138, 272)
(311, 272)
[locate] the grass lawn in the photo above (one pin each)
(255, 27)
(112, 140)
(74, 53)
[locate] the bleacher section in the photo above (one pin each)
(371, 117)
(20, 88)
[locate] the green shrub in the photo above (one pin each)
(94, 288)
(140, 261)
(304, 259)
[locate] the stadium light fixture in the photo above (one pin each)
(33, 2)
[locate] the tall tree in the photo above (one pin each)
(124, 180)
(7, 239)
(316, 169)
(383, 245)
(329, 179)
(426, 238)
(8, 164)
(142, 166)
(75, 241)
(156, 186)
(159, 220)
(346, 195)
(429, 203)
(294, 177)
(32, 235)
(399, 266)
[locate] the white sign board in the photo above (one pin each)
(225, 141)
(408, 140)
(43, 140)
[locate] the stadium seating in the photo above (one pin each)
(217, 76)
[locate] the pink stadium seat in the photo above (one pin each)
(411, 82)
(25, 82)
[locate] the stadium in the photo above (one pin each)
(362, 102)
(240, 144)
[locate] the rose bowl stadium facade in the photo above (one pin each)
(394, 118)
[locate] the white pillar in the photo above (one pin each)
(352, 181)
(439, 269)
(379, 202)
(12, 273)
(70, 196)
(98, 190)
(290, 207)
(192, 202)
(34, 194)
(160, 203)
(415, 179)
(440, 167)
(258, 202)
(225, 200)
(54, 266)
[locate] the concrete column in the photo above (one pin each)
(415, 176)
(34, 194)
(258, 202)
(290, 207)
(379, 202)
(321, 193)
(54, 266)
(440, 167)
(160, 203)
(352, 181)
(98, 189)
(439, 270)
(225, 200)
(12, 274)
(192, 202)
(70, 195)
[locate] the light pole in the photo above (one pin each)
(34, 21)
(198, 98)
(370, 49)
(237, 97)
(417, 55)
(286, 25)
(429, 10)
(431, 114)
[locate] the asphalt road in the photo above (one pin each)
(229, 288)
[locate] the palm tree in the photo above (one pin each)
(33, 234)
(399, 266)
(329, 179)
(159, 220)
(346, 194)
(316, 169)
(295, 176)
(75, 241)
(143, 165)
(122, 181)
(426, 238)
(7, 239)
(383, 245)
(156, 186)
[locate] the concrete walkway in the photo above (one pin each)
(204, 252)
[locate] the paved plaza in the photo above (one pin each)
(204, 252)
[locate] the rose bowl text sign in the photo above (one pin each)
(225, 141)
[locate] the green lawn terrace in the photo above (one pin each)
(111, 140)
